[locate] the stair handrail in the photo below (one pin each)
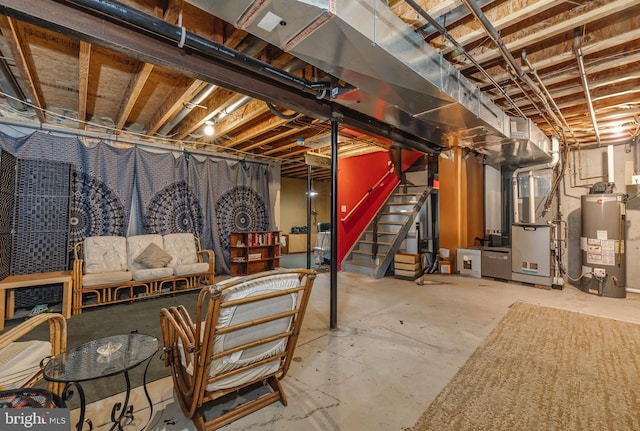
(366, 195)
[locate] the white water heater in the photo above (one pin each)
(602, 244)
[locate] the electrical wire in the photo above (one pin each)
(137, 139)
(591, 273)
(277, 113)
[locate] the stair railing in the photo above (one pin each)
(366, 195)
(374, 246)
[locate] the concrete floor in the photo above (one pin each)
(397, 345)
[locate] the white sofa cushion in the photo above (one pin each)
(193, 268)
(136, 244)
(111, 277)
(19, 361)
(182, 247)
(105, 254)
(150, 273)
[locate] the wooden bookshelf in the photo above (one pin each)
(254, 251)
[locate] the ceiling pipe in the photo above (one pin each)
(443, 31)
(188, 107)
(493, 34)
(516, 82)
(237, 102)
(534, 72)
(451, 15)
(577, 50)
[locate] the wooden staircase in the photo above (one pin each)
(374, 251)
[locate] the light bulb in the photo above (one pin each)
(208, 130)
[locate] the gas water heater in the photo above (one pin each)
(603, 244)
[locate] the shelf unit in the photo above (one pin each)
(255, 251)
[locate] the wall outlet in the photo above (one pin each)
(635, 179)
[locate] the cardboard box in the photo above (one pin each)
(445, 267)
(407, 266)
(406, 258)
(410, 274)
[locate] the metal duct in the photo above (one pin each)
(363, 43)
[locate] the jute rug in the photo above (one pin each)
(545, 369)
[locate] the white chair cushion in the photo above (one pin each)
(234, 315)
(136, 244)
(89, 280)
(105, 254)
(19, 361)
(182, 247)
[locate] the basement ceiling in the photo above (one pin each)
(571, 67)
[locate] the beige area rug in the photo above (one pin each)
(545, 369)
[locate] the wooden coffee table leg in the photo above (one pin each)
(67, 295)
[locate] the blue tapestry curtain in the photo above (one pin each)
(101, 179)
(174, 192)
(164, 199)
(236, 198)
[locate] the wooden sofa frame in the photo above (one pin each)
(207, 358)
(108, 293)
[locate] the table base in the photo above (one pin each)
(121, 413)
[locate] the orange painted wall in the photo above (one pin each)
(461, 201)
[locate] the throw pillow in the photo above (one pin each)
(153, 256)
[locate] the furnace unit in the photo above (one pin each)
(531, 247)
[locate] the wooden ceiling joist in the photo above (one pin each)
(24, 62)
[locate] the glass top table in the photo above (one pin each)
(100, 358)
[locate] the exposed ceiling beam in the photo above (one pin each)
(132, 93)
(84, 63)
(249, 133)
(24, 62)
(516, 42)
(211, 106)
(264, 142)
(203, 64)
(174, 101)
(501, 17)
(235, 120)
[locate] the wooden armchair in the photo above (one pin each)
(20, 360)
(246, 337)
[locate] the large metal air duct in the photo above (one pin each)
(363, 43)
